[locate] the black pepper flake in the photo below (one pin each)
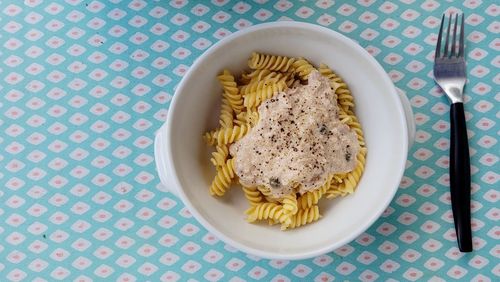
(323, 129)
(274, 182)
(348, 156)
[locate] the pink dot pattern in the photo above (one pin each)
(85, 85)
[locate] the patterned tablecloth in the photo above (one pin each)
(85, 85)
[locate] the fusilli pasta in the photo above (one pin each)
(302, 68)
(344, 97)
(253, 195)
(241, 97)
(241, 118)
(231, 93)
(261, 84)
(226, 135)
(252, 118)
(254, 99)
(226, 114)
(268, 211)
(270, 62)
(268, 196)
(311, 198)
(303, 217)
(290, 204)
(260, 75)
(351, 179)
(222, 179)
(220, 155)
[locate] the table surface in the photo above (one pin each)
(85, 85)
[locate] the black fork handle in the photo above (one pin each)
(460, 177)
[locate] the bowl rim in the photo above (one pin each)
(241, 246)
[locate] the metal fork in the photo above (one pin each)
(450, 75)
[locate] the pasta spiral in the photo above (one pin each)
(311, 198)
(344, 97)
(268, 211)
(270, 62)
(303, 217)
(228, 83)
(351, 179)
(345, 118)
(241, 118)
(244, 78)
(354, 124)
(252, 118)
(290, 205)
(337, 178)
(264, 74)
(302, 68)
(226, 114)
(219, 157)
(222, 179)
(254, 75)
(335, 80)
(253, 195)
(231, 93)
(264, 82)
(266, 192)
(254, 99)
(226, 135)
(249, 117)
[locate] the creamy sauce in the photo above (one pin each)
(299, 139)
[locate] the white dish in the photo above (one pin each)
(183, 159)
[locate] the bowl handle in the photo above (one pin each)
(162, 165)
(410, 121)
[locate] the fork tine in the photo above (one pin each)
(447, 38)
(453, 42)
(461, 44)
(438, 45)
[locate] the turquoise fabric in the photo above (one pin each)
(85, 85)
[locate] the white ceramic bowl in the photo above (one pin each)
(183, 159)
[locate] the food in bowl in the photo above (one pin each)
(183, 160)
(289, 135)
